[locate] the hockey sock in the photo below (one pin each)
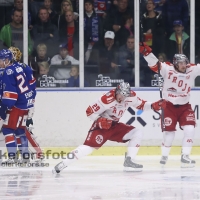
(11, 145)
(24, 144)
(187, 139)
(79, 152)
(134, 137)
(168, 137)
(19, 145)
(20, 133)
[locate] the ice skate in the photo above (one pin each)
(23, 162)
(163, 160)
(59, 167)
(38, 161)
(186, 162)
(10, 162)
(131, 166)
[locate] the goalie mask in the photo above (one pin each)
(16, 53)
(123, 89)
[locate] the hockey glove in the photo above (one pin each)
(3, 110)
(104, 123)
(29, 122)
(158, 105)
(31, 112)
(144, 49)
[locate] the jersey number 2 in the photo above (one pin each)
(21, 87)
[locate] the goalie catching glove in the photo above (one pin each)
(104, 123)
(158, 105)
(145, 49)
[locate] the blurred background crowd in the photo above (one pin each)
(109, 56)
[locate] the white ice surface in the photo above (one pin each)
(102, 177)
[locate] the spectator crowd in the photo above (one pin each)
(53, 36)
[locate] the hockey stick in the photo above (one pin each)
(160, 83)
(34, 143)
(158, 64)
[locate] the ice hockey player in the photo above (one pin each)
(29, 123)
(178, 81)
(106, 113)
(16, 99)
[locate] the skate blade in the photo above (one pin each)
(54, 172)
(187, 165)
(131, 169)
(162, 163)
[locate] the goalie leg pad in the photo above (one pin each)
(34, 143)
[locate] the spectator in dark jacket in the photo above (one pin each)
(66, 5)
(107, 53)
(179, 41)
(127, 64)
(93, 30)
(41, 56)
(114, 20)
(175, 10)
(74, 81)
(45, 32)
(18, 5)
(69, 33)
(53, 16)
(126, 30)
(153, 25)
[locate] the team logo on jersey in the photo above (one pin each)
(168, 121)
(188, 77)
(171, 89)
(6, 94)
(190, 117)
(99, 139)
(9, 71)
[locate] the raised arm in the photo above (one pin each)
(152, 61)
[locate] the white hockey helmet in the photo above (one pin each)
(124, 89)
(180, 58)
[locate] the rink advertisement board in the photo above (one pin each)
(60, 118)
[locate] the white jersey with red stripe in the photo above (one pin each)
(177, 86)
(109, 108)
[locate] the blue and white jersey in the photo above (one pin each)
(29, 75)
(16, 89)
(1, 86)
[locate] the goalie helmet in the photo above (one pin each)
(180, 58)
(123, 89)
(16, 53)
